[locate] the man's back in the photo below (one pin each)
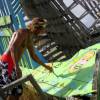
(19, 41)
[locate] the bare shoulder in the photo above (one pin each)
(23, 31)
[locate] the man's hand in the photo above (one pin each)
(49, 67)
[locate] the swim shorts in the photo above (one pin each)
(6, 79)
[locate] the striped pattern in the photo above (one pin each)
(16, 6)
(4, 8)
(49, 50)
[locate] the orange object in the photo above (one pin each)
(9, 60)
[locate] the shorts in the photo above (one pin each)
(6, 79)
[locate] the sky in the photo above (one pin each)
(78, 10)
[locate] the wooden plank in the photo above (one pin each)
(96, 78)
(96, 5)
(48, 48)
(50, 55)
(55, 58)
(72, 98)
(86, 5)
(21, 81)
(92, 6)
(43, 45)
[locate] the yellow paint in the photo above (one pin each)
(89, 55)
(75, 67)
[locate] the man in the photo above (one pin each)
(21, 40)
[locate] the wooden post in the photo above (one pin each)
(98, 74)
(22, 80)
(96, 78)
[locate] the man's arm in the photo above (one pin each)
(12, 46)
(18, 70)
(35, 57)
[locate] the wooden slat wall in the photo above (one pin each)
(62, 21)
(49, 50)
(59, 26)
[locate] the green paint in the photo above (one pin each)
(5, 20)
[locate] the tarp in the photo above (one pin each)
(71, 77)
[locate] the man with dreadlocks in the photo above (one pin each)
(21, 40)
